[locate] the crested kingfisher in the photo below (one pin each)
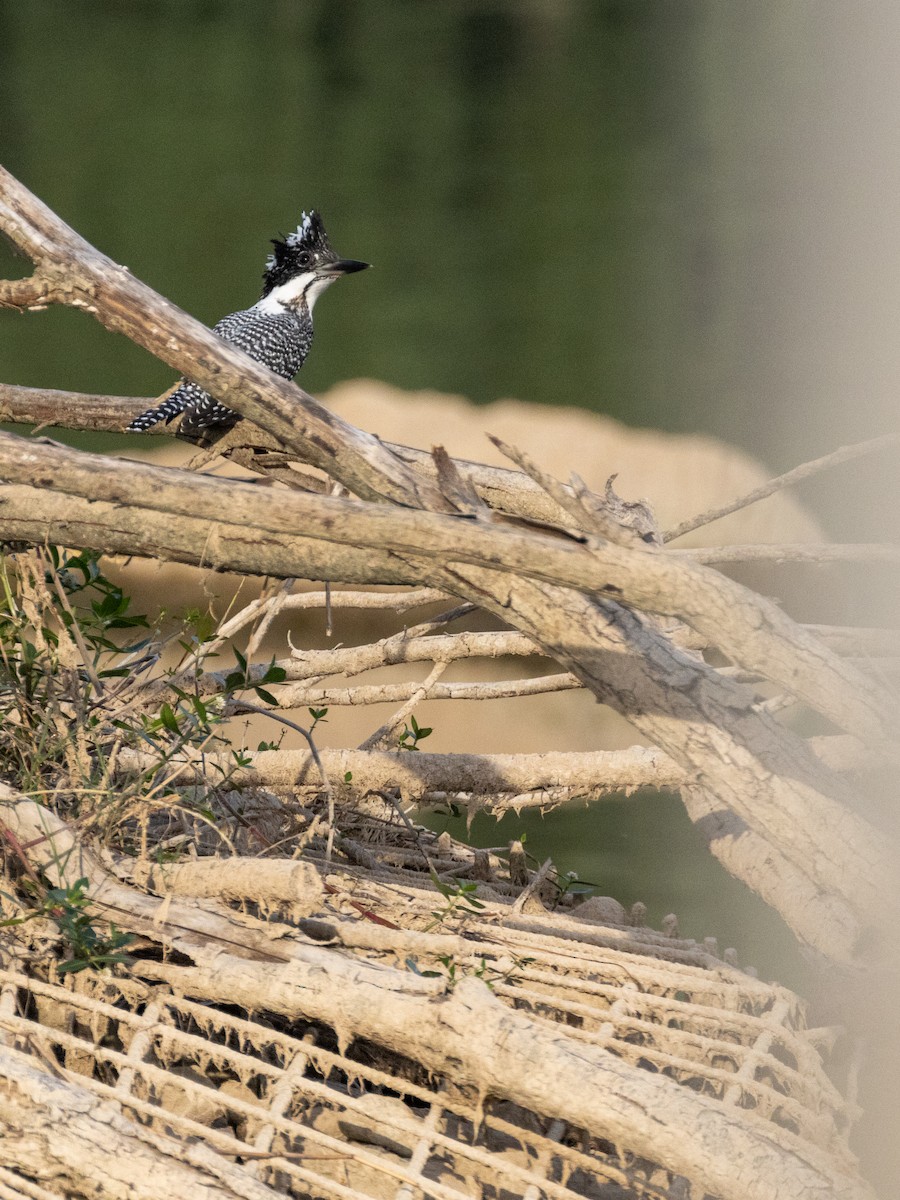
(277, 331)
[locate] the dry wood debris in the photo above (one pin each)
(333, 1001)
(312, 1021)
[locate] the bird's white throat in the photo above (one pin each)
(306, 287)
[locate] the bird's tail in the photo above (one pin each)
(172, 405)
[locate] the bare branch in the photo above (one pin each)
(83, 277)
(598, 519)
(886, 552)
(501, 489)
(756, 790)
(33, 293)
(591, 773)
(751, 630)
(408, 646)
(303, 601)
(842, 454)
(419, 692)
(395, 693)
(71, 410)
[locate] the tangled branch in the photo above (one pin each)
(585, 587)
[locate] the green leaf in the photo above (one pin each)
(72, 966)
(267, 696)
(169, 720)
(128, 623)
(444, 888)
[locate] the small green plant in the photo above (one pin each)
(243, 679)
(461, 894)
(68, 909)
(572, 885)
(318, 715)
(453, 971)
(65, 647)
(73, 677)
(276, 745)
(412, 734)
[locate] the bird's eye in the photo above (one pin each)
(303, 258)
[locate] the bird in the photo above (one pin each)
(276, 331)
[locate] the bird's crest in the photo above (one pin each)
(296, 252)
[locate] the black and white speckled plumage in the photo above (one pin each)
(277, 331)
(280, 341)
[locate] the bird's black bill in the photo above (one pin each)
(346, 266)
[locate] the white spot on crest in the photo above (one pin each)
(302, 232)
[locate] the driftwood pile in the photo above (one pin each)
(309, 1023)
(311, 991)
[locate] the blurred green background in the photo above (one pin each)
(617, 204)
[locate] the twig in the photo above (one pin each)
(73, 628)
(842, 454)
(395, 693)
(245, 705)
(477, 774)
(411, 645)
(420, 692)
(34, 292)
(599, 520)
(544, 872)
(397, 601)
(270, 610)
(828, 552)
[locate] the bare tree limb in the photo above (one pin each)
(69, 410)
(466, 1032)
(502, 489)
(585, 773)
(81, 276)
(843, 454)
(33, 293)
(394, 693)
(763, 799)
(886, 552)
(749, 629)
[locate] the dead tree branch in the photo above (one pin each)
(804, 471)
(763, 799)
(749, 629)
(498, 1051)
(875, 552)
